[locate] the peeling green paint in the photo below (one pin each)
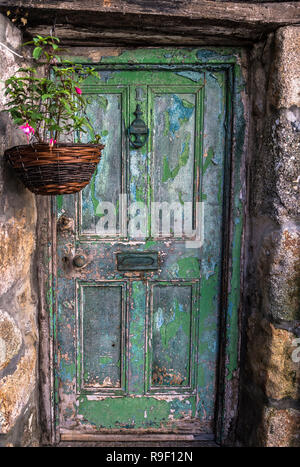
(59, 201)
(130, 412)
(192, 75)
(220, 79)
(169, 329)
(188, 267)
(213, 55)
(187, 104)
(140, 193)
(103, 102)
(149, 244)
(167, 123)
(137, 331)
(181, 201)
(183, 159)
(67, 370)
(92, 185)
(105, 360)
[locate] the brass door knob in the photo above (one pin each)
(79, 261)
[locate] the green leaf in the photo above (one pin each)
(37, 52)
(36, 115)
(18, 121)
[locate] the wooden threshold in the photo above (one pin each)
(156, 437)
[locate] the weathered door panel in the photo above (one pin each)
(137, 348)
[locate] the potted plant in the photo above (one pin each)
(45, 100)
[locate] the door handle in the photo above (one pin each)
(79, 261)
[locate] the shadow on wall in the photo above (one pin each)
(270, 396)
(270, 374)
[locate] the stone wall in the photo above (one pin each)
(18, 298)
(270, 391)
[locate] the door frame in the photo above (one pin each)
(232, 60)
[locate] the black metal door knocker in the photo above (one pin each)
(138, 132)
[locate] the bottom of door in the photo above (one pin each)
(78, 436)
(149, 439)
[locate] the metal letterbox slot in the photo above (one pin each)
(137, 261)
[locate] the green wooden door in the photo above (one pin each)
(138, 311)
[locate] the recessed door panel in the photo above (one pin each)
(100, 209)
(100, 350)
(172, 335)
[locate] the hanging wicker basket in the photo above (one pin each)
(61, 169)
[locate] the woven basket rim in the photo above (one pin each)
(46, 146)
(61, 168)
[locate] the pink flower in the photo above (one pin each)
(52, 142)
(27, 130)
(78, 90)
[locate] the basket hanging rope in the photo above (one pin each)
(61, 169)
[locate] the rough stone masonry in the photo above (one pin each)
(18, 302)
(270, 389)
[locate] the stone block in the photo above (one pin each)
(280, 428)
(16, 248)
(270, 360)
(10, 339)
(279, 274)
(16, 389)
(286, 85)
